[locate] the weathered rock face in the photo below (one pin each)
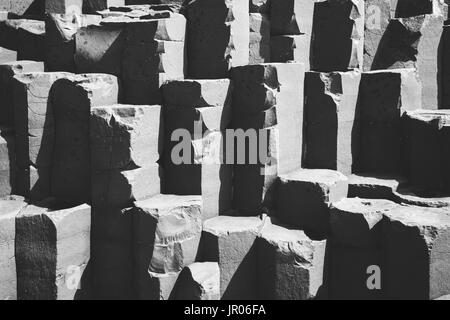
(259, 38)
(9, 209)
(52, 251)
(215, 40)
(7, 162)
(383, 97)
(230, 241)
(304, 196)
(415, 245)
(331, 120)
(290, 265)
(429, 133)
(60, 32)
(199, 281)
(338, 35)
(196, 114)
(7, 72)
(34, 124)
(415, 43)
(71, 169)
(64, 6)
(166, 231)
(21, 7)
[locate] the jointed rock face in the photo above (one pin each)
(224, 149)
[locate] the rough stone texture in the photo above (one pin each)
(291, 266)
(7, 55)
(120, 187)
(216, 41)
(7, 162)
(416, 246)
(52, 251)
(7, 72)
(125, 135)
(22, 7)
(373, 186)
(92, 6)
(9, 209)
(71, 168)
(304, 196)
(411, 8)
(377, 15)
(34, 126)
(429, 134)
(112, 253)
(338, 35)
(331, 120)
(415, 43)
(259, 38)
(199, 281)
(384, 97)
(166, 231)
(292, 17)
(60, 31)
(260, 6)
(290, 48)
(202, 109)
(230, 241)
(64, 6)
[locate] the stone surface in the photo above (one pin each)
(416, 246)
(428, 135)
(166, 232)
(125, 135)
(230, 241)
(290, 49)
(9, 209)
(415, 43)
(199, 281)
(331, 120)
(7, 162)
(303, 199)
(367, 186)
(64, 6)
(259, 38)
(384, 97)
(52, 251)
(7, 72)
(338, 35)
(291, 266)
(218, 37)
(292, 17)
(71, 162)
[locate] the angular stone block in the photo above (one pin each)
(377, 17)
(92, 6)
(261, 87)
(112, 249)
(21, 7)
(259, 38)
(416, 246)
(290, 48)
(167, 232)
(384, 97)
(411, 8)
(356, 222)
(9, 209)
(60, 33)
(415, 43)
(124, 135)
(71, 170)
(280, 275)
(304, 197)
(7, 72)
(292, 17)
(7, 55)
(7, 162)
(230, 241)
(331, 120)
(259, 6)
(338, 35)
(428, 134)
(119, 188)
(197, 93)
(33, 183)
(199, 281)
(64, 6)
(30, 39)
(373, 186)
(218, 37)
(52, 251)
